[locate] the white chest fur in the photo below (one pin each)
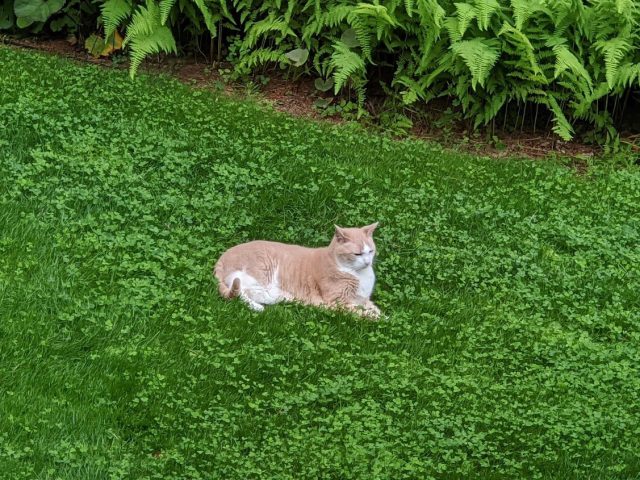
(366, 280)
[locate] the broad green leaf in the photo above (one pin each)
(349, 38)
(298, 56)
(35, 10)
(323, 85)
(113, 43)
(94, 45)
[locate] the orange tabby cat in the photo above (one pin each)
(340, 275)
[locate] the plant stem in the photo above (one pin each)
(506, 109)
(219, 40)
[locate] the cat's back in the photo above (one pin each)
(256, 247)
(262, 251)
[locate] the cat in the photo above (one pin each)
(338, 276)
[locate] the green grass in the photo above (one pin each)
(512, 288)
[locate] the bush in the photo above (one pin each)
(577, 60)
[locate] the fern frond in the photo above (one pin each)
(408, 7)
(209, 18)
(485, 9)
(260, 56)
(523, 47)
(581, 109)
(431, 15)
(479, 55)
(626, 8)
(143, 22)
(565, 60)
(492, 108)
(452, 26)
(345, 63)
(561, 125)
(335, 16)
(268, 25)
(614, 51)
(466, 14)
(160, 40)
(363, 35)
(379, 12)
(522, 10)
(225, 11)
(360, 96)
(147, 35)
(165, 8)
(114, 12)
(628, 75)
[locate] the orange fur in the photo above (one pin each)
(340, 275)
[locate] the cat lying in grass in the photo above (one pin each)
(338, 276)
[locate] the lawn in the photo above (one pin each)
(511, 348)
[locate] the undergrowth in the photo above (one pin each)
(511, 348)
(569, 66)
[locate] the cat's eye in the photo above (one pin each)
(357, 254)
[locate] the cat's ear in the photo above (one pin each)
(340, 235)
(369, 229)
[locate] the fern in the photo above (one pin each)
(614, 51)
(363, 35)
(565, 60)
(209, 18)
(561, 125)
(165, 8)
(431, 21)
(378, 12)
(114, 12)
(491, 109)
(146, 35)
(484, 54)
(408, 7)
(268, 25)
(261, 56)
(466, 14)
(485, 9)
(479, 56)
(628, 75)
(626, 8)
(523, 45)
(523, 10)
(452, 26)
(345, 63)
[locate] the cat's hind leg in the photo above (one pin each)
(253, 305)
(249, 290)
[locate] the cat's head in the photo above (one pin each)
(354, 247)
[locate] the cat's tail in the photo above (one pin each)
(224, 290)
(232, 292)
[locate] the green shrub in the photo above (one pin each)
(574, 59)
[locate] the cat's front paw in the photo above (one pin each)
(373, 312)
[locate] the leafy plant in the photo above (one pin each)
(568, 63)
